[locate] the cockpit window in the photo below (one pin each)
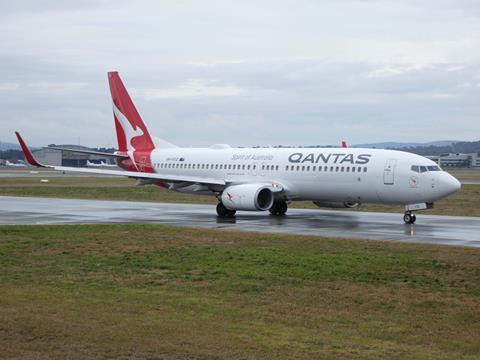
(423, 169)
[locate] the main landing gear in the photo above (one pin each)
(222, 211)
(409, 218)
(278, 208)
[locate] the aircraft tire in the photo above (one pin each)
(222, 211)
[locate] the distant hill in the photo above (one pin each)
(399, 145)
(464, 147)
(431, 148)
(8, 146)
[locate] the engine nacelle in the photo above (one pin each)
(336, 205)
(250, 197)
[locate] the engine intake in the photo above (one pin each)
(336, 205)
(250, 197)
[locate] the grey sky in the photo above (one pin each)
(243, 72)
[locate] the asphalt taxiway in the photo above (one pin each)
(448, 230)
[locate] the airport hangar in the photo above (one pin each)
(55, 157)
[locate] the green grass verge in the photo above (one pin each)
(464, 203)
(155, 291)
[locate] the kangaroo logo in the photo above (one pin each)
(130, 131)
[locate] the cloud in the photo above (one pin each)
(290, 72)
(195, 88)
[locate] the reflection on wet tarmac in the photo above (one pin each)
(376, 226)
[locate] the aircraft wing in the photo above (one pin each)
(143, 175)
(91, 152)
(132, 174)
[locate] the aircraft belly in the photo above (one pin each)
(346, 189)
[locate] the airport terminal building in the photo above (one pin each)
(471, 160)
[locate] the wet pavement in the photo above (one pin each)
(448, 230)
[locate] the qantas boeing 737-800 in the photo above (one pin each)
(261, 179)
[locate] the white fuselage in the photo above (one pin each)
(317, 174)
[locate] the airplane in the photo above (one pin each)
(268, 179)
(18, 164)
(99, 165)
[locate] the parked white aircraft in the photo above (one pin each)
(18, 164)
(101, 164)
(260, 179)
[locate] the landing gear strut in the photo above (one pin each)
(409, 218)
(222, 211)
(278, 208)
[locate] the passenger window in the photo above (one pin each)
(308, 168)
(229, 166)
(336, 169)
(331, 168)
(248, 167)
(298, 167)
(343, 169)
(276, 167)
(348, 168)
(243, 167)
(365, 169)
(325, 168)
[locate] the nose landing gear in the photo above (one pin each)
(409, 218)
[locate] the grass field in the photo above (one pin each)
(464, 203)
(150, 291)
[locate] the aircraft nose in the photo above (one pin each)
(450, 185)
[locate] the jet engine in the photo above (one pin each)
(252, 197)
(336, 205)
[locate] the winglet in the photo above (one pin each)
(28, 154)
